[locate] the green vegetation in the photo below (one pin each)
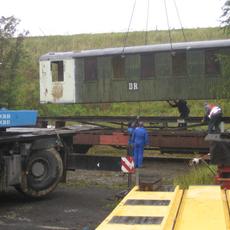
(12, 58)
(126, 109)
(199, 175)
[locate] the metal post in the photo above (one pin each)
(129, 180)
(221, 126)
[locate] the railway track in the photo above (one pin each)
(112, 163)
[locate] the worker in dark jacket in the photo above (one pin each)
(183, 110)
(131, 128)
(213, 115)
(182, 107)
(139, 140)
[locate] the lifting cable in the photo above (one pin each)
(127, 33)
(178, 15)
(169, 31)
(146, 27)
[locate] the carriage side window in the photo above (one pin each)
(212, 63)
(147, 66)
(90, 64)
(195, 63)
(118, 65)
(57, 71)
(163, 64)
(179, 64)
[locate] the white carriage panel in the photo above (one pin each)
(69, 82)
(62, 91)
(45, 82)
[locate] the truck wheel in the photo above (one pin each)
(43, 172)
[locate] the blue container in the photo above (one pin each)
(17, 118)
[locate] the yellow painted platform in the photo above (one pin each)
(144, 216)
(199, 207)
(203, 207)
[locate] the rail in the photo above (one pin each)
(125, 118)
(112, 163)
(113, 122)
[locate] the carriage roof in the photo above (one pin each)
(137, 49)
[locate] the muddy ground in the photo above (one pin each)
(80, 204)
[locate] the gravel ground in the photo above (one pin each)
(80, 204)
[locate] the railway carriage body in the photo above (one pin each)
(189, 70)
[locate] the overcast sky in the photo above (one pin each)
(59, 17)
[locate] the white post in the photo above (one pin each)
(221, 126)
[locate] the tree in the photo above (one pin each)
(224, 58)
(225, 17)
(11, 54)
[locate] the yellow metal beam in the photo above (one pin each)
(203, 207)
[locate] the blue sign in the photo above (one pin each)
(16, 118)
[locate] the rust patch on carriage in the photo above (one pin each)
(57, 91)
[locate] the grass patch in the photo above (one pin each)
(199, 175)
(106, 150)
(87, 184)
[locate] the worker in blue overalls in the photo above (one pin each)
(139, 140)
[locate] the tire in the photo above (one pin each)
(44, 170)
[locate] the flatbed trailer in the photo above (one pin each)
(167, 141)
(34, 160)
(164, 134)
